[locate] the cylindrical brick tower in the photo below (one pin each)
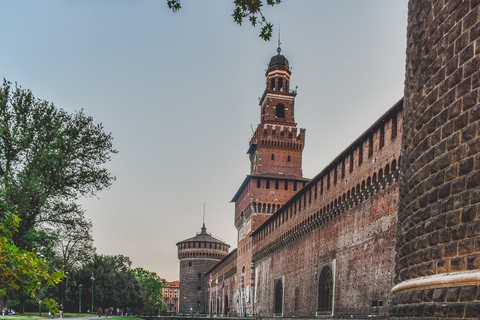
(438, 245)
(197, 256)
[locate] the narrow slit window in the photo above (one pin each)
(360, 154)
(370, 147)
(351, 162)
(394, 127)
(382, 137)
(335, 174)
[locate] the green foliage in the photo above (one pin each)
(48, 159)
(114, 285)
(51, 305)
(174, 5)
(251, 9)
(150, 290)
(21, 268)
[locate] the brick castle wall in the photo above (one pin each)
(360, 241)
(346, 216)
(438, 261)
(226, 290)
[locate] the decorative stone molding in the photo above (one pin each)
(452, 279)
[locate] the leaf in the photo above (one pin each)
(266, 32)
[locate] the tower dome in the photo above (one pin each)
(278, 61)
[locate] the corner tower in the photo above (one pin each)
(275, 152)
(197, 255)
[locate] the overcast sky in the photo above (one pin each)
(179, 93)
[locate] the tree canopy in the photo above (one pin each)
(150, 290)
(114, 285)
(21, 268)
(48, 159)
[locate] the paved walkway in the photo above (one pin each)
(86, 317)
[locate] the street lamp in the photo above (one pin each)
(80, 298)
(93, 279)
(40, 255)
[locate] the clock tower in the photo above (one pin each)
(275, 152)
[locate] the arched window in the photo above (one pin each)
(325, 290)
(278, 302)
(394, 165)
(272, 84)
(280, 84)
(280, 110)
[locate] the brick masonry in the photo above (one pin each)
(439, 226)
(401, 244)
(223, 295)
(197, 255)
(345, 217)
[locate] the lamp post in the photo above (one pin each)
(93, 279)
(80, 298)
(40, 255)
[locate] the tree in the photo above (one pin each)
(48, 159)
(21, 268)
(150, 290)
(114, 285)
(251, 9)
(73, 247)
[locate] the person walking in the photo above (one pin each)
(60, 310)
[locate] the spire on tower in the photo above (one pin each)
(279, 43)
(204, 229)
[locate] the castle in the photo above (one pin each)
(302, 240)
(391, 227)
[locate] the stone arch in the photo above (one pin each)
(394, 165)
(325, 290)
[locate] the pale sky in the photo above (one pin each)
(180, 91)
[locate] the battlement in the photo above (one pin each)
(279, 136)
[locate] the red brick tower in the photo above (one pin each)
(275, 147)
(276, 170)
